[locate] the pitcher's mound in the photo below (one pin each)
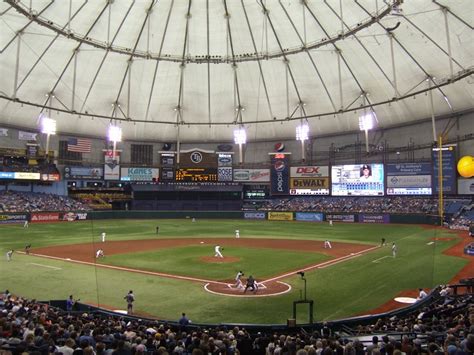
(213, 259)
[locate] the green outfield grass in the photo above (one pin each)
(345, 289)
(263, 263)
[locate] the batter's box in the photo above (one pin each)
(261, 286)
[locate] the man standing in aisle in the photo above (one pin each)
(129, 298)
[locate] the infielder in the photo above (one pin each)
(102, 236)
(217, 251)
(99, 253)
(237, 233)
(394, 250)
(9, 254)
(327, 244)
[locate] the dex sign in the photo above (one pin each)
(309, 171)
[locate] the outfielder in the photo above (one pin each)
(217, 251)
(9, 254)
(103, 235)
(237, 233)
(394, 250)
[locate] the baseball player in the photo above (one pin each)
(327, 244)
(27, 249)
(330, 222)
(102, 236)
(394, 250)
(217, 251)
(9, 254)
(25, 225)
(237, 233)
(99, 253)
(252, 284)
(238, 280)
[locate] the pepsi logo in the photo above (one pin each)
(279, 165)
(280, 147)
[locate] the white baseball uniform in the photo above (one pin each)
(327, 244)
(217, 250)
(103, 237)
(237, 233)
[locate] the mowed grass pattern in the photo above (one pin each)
(341, 290)
(187, 261)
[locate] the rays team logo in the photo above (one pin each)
(279, 165)
(196, 157)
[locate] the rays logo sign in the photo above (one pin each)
(196, 157)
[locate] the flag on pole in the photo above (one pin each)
(80, 145)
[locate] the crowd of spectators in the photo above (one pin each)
(445, 326)
(15, 201)
(405, 204)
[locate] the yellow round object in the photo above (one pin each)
(466, 166)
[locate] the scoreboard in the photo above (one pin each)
(196, 175)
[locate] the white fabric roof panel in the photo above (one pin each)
(225, 71)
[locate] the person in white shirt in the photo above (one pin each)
(9, 254)
(238, 280)
(25, 225)
(422, 294)
(237, 233)
(103, 235)
(330, 222)
(68, 347)
(394, 250)
(327, 244)
(366, 173)
(217, 251)
(99, 253)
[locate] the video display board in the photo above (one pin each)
(139, 174)
(196, 175)
(449, 174)
(408, 179)
(357, 180)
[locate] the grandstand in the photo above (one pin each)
(165, 147)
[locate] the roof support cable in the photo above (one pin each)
(13, 2)
(234, 63)
(394, 68)
(40, 58)
(152, 87)
(262, 77)
(366, 51)
(454, 15)
(310, 57)
(17, 65)
(285, 59)
(74, 78)
(105, 55)
(208, 46)
(128, 69)
(433, 120)
(448, 42)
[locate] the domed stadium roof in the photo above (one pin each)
(194, 70)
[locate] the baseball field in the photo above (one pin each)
(175, 270)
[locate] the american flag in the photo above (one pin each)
(80, 145)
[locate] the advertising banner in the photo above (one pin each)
(3, 132)
(224, 174)
(409, 181)
(466, 186)
(13, 218)
(309, 171)
(309, 183)
(309, 216)
(224, 159)
(139, 174)
(7, 175)
(74, 216)
(374, 218)
(50, 177)
(252, 175)
(83, 172)
(255, 215)
(449, 170)
(340, 217)
(112, 165)
(280, 175)
(408, 169)
(27, 176)
(44, 217)
(27, 136)
(280, 216)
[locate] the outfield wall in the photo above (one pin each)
(48, 217)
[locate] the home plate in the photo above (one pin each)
(409, 300)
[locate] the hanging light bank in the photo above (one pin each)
(115, 135)
(240, 138)
(48, 127)
(366, 123)
(302, 135)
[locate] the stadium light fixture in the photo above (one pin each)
(48, 127)
(115, 135)
(302, 135)
(240, 138)
(366, 123)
